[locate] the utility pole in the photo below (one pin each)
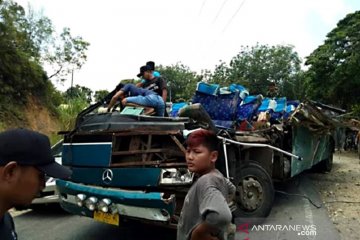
(72, 82)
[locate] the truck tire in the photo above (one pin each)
(325, 165)
(254, 193)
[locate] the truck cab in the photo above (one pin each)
(126, 165)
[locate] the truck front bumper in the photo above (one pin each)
(151, 206)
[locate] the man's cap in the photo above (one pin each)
(151, 65)
(30, 148)
(143, 69)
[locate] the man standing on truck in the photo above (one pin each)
(151, 66)
(152, 82)
(205, 214)
(25, 158)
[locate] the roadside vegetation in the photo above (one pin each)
(28, 42)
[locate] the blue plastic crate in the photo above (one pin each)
(176, 107)
(211, 89)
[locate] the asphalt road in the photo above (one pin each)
(289, 212)
(57, 224)
(297, 206)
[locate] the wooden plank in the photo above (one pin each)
(148, 147)
(183, 164)
(130, 152)
(146, 132)
(150, 163)
(135, 163)
(182, 148)
(145, 151)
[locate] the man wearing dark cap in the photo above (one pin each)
(151, 65)
(25, 159)
(156, 84)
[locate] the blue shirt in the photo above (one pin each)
(132, 90)
(155, 74)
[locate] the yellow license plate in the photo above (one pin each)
(107, 218)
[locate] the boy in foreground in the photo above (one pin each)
(205, 214)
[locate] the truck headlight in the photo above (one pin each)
(104, 204)
(90, 203)
(176, 176)
(79, 199)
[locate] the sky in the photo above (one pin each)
(125, 34)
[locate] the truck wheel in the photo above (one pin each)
(325, 165)
(254, 194)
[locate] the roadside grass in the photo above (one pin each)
(54, 138)
(12, 115)
(66, 114)
(2, 126)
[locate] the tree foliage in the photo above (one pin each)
(100, 94)
(67, 53)
(255, 67)
(334, 72)
(180, 79)
(62, 52)
(20, 73)
(78, 92)
(28, 42)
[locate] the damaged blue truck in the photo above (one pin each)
(128, 166)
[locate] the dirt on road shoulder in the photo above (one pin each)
(340, 192)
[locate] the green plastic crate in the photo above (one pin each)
(132, 110)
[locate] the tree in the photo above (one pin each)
(66, 54)
(63, 52)
(255, 67)
(221, 74)
(180, 79)
(355, 109)
(334, 73)
(100, 94)
(78, 92)
(205, 75)
(127, 81)
(20, 73)
(27, 43)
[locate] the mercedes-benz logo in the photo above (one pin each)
(107, 176)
